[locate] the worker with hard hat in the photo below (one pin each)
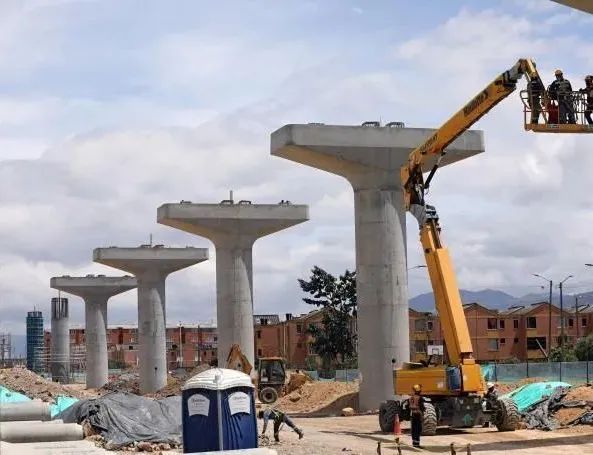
(416, 406)
(491, 392)
(561, 90)
(588, 91)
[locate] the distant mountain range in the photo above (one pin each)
(498, 300)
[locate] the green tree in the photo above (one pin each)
(334, 341)
(564, 354)
(584, 348)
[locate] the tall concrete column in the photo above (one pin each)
(370, 159)
(151, 266)
(152, 330)
(60, 341)
(95, 291)
(233, 228)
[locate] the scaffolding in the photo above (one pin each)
(35, 344)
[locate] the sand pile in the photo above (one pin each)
(582, 393)
(320, 397)
(34, 386)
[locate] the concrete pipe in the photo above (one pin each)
(30, 422)
(40, 432)
(29, 410)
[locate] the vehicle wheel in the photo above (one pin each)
(387, 412)
(507, 415)
(268, 395)
(429, 420)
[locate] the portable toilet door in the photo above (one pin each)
(218, 412)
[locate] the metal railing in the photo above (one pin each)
(569, 114)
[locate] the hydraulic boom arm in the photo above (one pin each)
(442, 275)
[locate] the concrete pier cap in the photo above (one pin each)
(95, 291)
(370, 158)
(151, 265)
(233, 228)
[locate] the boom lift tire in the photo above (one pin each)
(507, 415)
(268, 395)
(387, 412)
(429, 420)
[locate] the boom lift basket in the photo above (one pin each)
(548, 121)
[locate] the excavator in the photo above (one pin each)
(456, 392)
(271, 373)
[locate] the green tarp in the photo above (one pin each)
(530, 394)
(8, 396)
(62, 403)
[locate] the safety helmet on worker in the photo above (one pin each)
(490, 385)
(558, 72)
(417, 388)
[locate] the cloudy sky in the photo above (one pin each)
(110, 108)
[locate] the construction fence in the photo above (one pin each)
(575, 373)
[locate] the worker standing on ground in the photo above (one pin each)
(279, 418)
(416, 405)
(588, 91)
(561, 90)
(491, 391)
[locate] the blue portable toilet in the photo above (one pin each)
(218, 412)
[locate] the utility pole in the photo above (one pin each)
(576, 316)
(549, 312)
(180, 347)
(562, 319)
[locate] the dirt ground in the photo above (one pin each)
(360, 435)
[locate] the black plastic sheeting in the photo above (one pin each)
(539, 415)
(123, 418)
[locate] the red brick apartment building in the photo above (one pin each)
(518, 332)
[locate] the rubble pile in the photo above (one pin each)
(126, 382)
(34, 386)
(314, 397)
(564, 406)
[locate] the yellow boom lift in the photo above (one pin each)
(456, 392)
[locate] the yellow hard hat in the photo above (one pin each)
(558, 72)
(417, 388)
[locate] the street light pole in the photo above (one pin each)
(562, 319)
(550, 283)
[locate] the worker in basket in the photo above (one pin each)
(535, 91)
(416, 406)
(561, 91)
(588, 91)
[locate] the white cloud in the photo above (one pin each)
(109, 161)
